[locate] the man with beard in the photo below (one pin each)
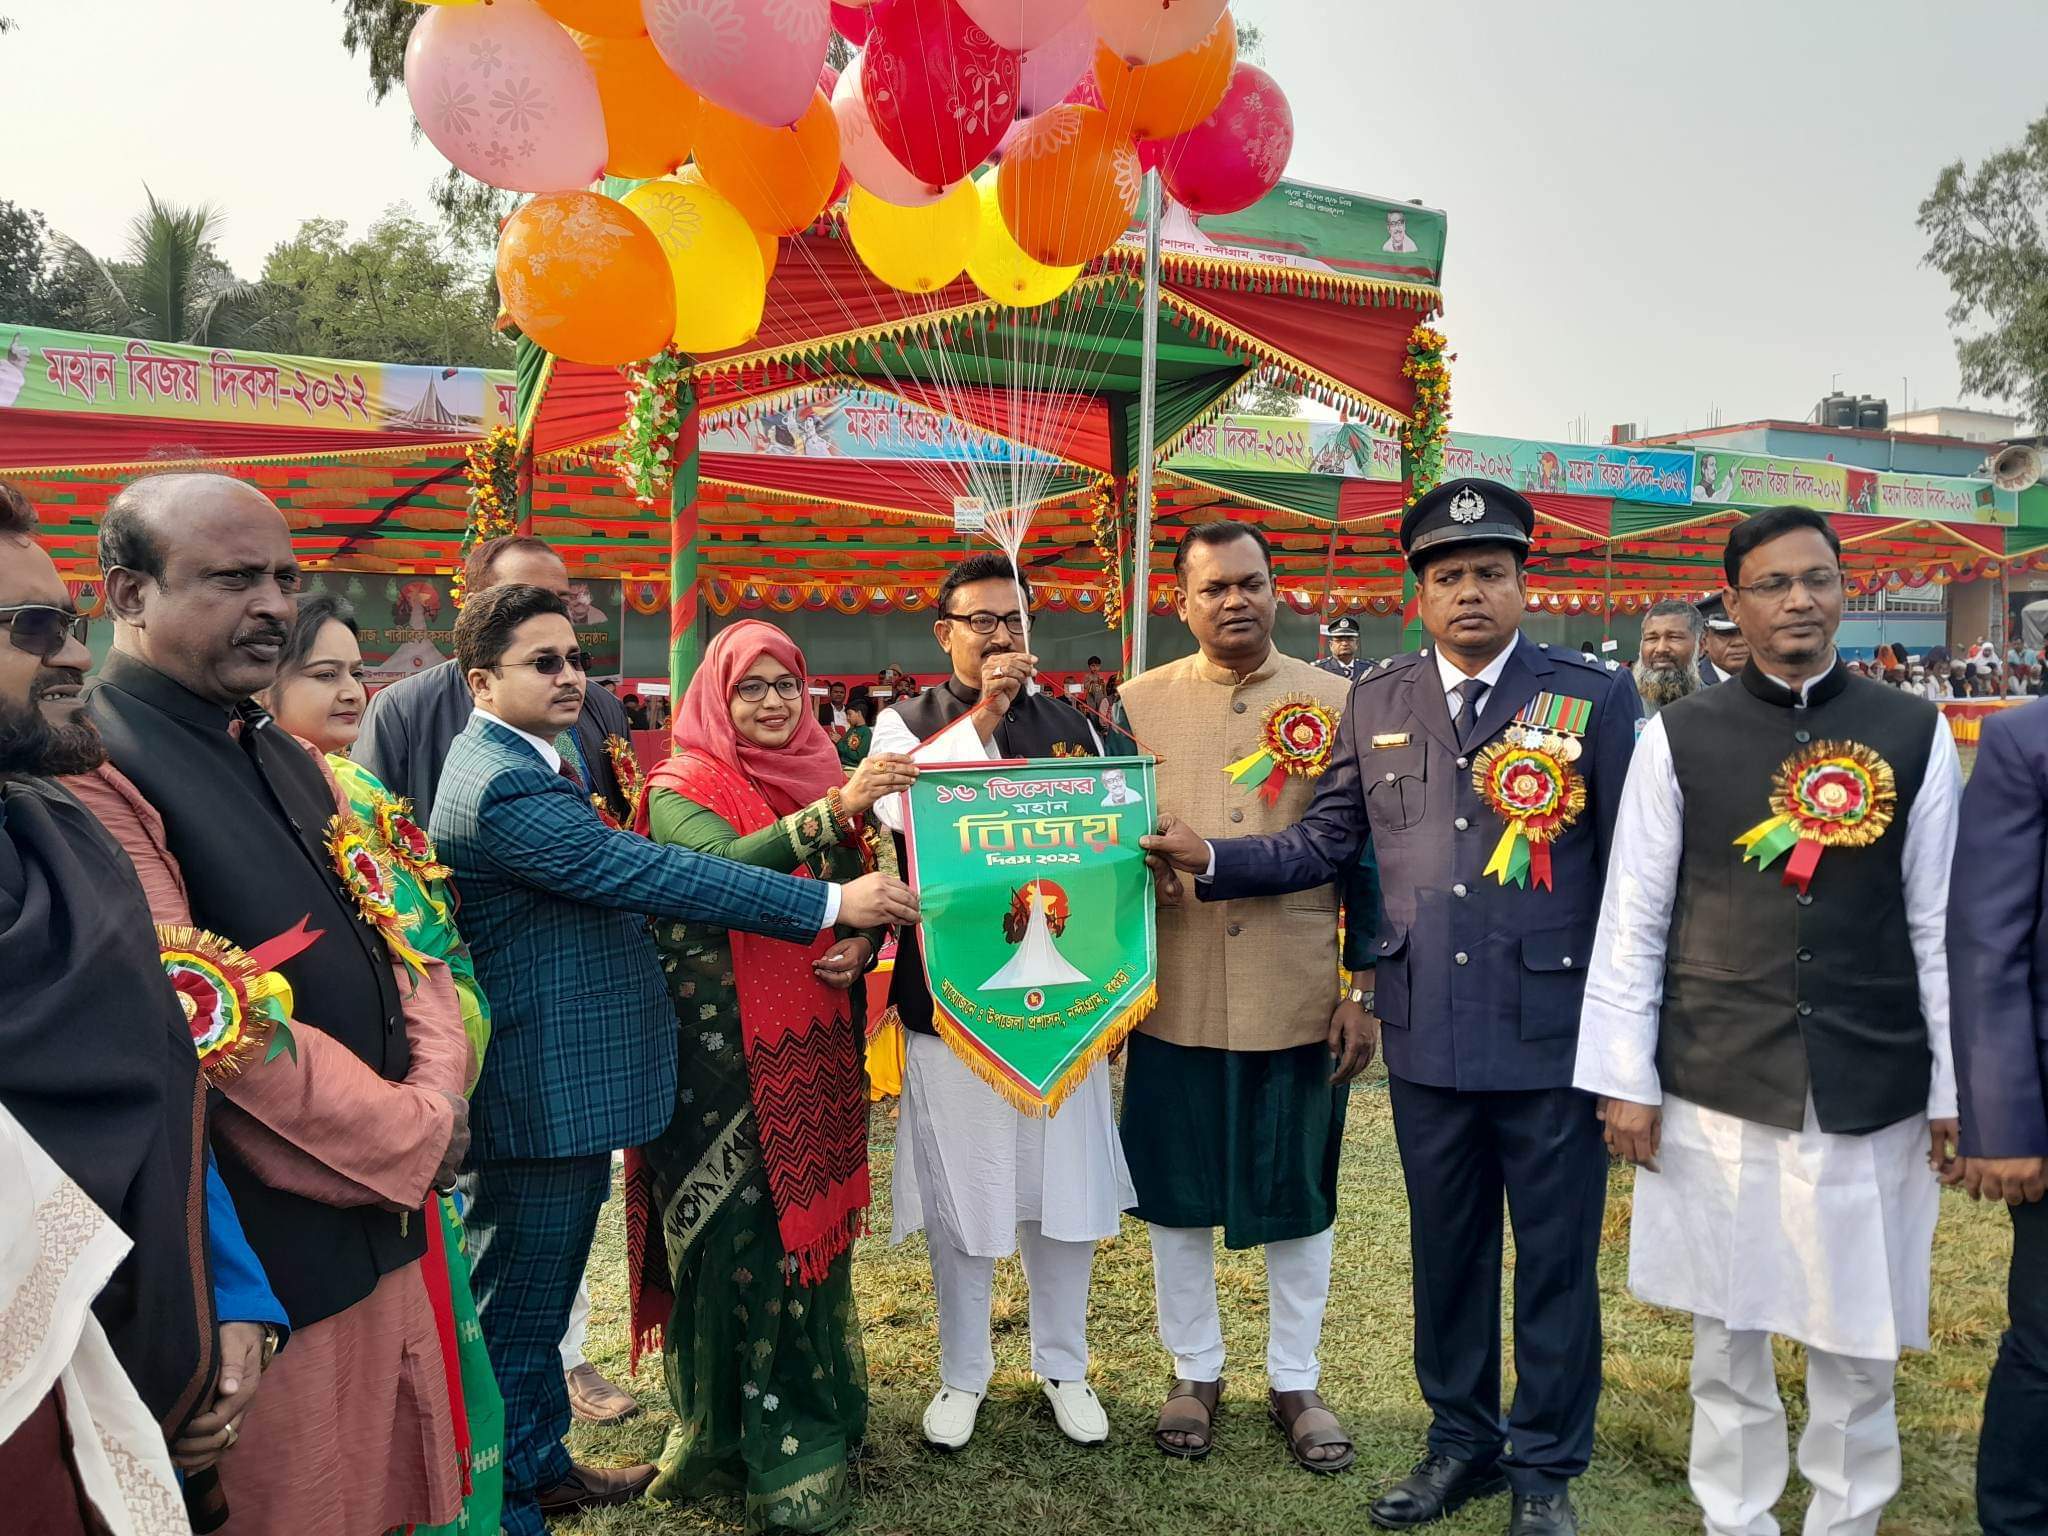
(979, 1179)
(1769, 1040)
(1727, 653)
(1668, 667)
(332, 1149)
(96, 1062)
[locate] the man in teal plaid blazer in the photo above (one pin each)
(582, 1056)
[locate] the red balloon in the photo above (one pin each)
(1238, 153)
(939, 90)
(851, 22)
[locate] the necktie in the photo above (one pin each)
(1469, 693)
(568, 771)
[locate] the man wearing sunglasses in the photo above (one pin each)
(979, 1179)
(97, 1066)
(583, 1047)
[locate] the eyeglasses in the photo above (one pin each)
(548, 664)
(41, 629)
(755, 689)
(986, 623)
(1775, 589)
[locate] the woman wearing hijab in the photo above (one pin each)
(759, 1185)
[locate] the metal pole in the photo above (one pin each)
(1148, 411)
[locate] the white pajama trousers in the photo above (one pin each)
(1057, 1274)
(1849, 1452)
(1191, 1326)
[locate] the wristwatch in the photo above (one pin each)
(273, 1341)
(1363, 996)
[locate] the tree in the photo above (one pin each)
(1266, 398)
(1985, 232)
(400, 294)
(168, 285)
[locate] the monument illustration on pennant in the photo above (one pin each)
(1004, 856)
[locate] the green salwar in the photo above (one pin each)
(767, 1376)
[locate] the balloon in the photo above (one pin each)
(650, 117)
(771, 254)
(585, 279)
(1000, 268)
(714, 258)
(939, 90)
(1157, 101)
(1021, 25)
(1237, 154)
(1068, 185)
(867, 158)
(779, 178)
(1051, 69)
(600, 18)
(505, 95)
(1149, 31)
(915, 249)
(758, 58)
(851, 22)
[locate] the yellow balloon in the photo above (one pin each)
(917, 250)
(721, 288)
(1000, 267)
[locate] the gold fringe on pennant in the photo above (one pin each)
(1022, 1100)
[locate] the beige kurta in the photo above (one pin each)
(1256, 975)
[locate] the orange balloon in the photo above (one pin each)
(1157, 101)
(650, 116)
(586, 279)
(600, 18)
(780, 179)
(771, 252)
(1068, 185)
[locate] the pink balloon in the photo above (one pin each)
(867, 158)
(851, 22)
(1238, 153)
(1021, 25)
(504, 93)
(940, 91)
(758, 58)
(1147, 31)
(1049, 71)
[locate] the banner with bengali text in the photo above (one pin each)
(1946, 499)
(1656, 476)
(1292, 445)
(860, 424)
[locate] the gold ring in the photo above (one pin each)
(233, 1434)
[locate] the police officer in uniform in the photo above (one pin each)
(1344, 660)
(1723, 650)
(1487, 926)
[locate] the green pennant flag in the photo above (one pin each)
(1039, 935)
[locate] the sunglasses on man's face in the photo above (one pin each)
(41, 630)
(548, 664)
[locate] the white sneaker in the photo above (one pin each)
(949, 1418)
(1079, 1411)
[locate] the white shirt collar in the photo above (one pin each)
(540, 744)
(1448, 673)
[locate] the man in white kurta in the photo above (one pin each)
(1789, 1038)
(978, 1178)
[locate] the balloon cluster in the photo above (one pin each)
(739, 134)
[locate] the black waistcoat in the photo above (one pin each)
(249, 845)
(1038, 725)
(1768, 992)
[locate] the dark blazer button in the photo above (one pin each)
(1239, 706)
(1805, 954)
(1237, 815)
(1805, 1010)
(1235, 929)
(1802, 737)
(1804, 899)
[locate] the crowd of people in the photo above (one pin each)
(310, 1152)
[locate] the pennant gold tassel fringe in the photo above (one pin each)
(962, 1045)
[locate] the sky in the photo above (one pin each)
(1657, 211)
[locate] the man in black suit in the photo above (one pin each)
(1725, 651)
(407, 731)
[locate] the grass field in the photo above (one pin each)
(1020, 1475)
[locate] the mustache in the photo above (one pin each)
(262, 634)
(54, 677)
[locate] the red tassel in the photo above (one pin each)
(1800, 866)
(1275, 782)
(1539, 865)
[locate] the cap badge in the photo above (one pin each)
(1468, 506)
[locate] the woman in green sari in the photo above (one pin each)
(319, 697)
(760, 1183)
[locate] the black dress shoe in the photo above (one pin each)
(1543, 1514)
(1439, 1485)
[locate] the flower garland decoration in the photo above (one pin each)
(645, 460)
(235, 1001)
(1535, 790)
(492, 469)
(1429, 427)
(1102, 522)
(1294, 741)
(626, 769)
(359, 859)
(1834, 794)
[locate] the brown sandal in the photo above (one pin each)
(1288, 1410)
(1197, 1423)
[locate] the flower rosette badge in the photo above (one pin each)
(235, 1001)
(1294, 742)
(406, 841)
(1534, 791)
(359, 860)
(1832, 795)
